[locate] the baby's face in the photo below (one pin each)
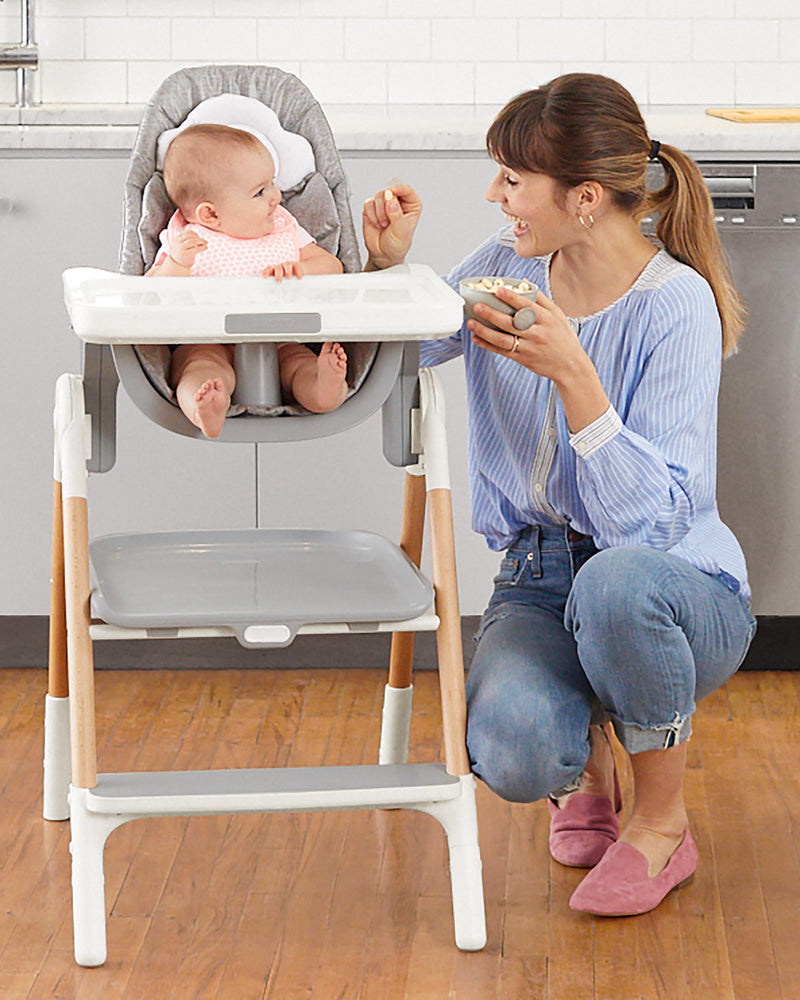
(248, 199)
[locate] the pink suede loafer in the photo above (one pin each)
(620, 887)
(584, 828)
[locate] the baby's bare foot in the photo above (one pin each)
(211, 405)
(331, 376)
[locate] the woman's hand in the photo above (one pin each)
(550, 347)
(389, 219)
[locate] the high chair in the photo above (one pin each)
(253, 584)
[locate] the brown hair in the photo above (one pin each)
(583, 126)
(195, 162)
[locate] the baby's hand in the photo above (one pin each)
(185, 247)
(289, 269)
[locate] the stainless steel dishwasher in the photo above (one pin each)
(757, 208)
(758, 215)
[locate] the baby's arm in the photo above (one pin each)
(185, 247)
(313, 260)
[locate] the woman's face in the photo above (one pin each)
(534, 203)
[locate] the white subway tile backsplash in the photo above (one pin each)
(430, 83)
(516, 8)
(764, 83)
(789, 40)
(280, 38)
(595, 8)
(172, 8)
(692, 83)
(742, 39)
(233, 39)
(58, 38)
(474, 39)
(424, 8)
(637, 39)
(721, 9)
(344, 8)
(82, 8)
(401, 51)
(256, 8)
(128, 38)
(557, 38)
(497, 83)
(373, 38)
(766, 8)
(76, 82)
(351, 83)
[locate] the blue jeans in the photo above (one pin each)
(573, 636)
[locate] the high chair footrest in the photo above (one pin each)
(253, 577)
(189, 793)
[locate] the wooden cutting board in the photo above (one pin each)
(756, 114)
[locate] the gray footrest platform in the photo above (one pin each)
(175, 793)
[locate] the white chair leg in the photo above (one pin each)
(89, 833)
(396, 724)
(460, 821)
(57, 768)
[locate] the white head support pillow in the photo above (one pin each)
(292, 154)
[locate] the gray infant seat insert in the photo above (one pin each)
(262, 586)
(319, 201)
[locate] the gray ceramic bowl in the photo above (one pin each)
(473, 295)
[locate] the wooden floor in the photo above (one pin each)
(356, 906)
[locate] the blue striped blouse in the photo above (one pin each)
(642, 474)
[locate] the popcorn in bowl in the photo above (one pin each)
(482, 289)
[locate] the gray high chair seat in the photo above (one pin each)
(251, 584)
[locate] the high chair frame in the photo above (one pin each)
(414, 438)
(98, 803)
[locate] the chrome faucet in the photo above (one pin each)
(23, 57)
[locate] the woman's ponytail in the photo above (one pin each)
(688, 231)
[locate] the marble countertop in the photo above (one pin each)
(366, 128)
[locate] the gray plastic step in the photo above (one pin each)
(173, 793)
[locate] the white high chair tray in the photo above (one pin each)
(407, 302)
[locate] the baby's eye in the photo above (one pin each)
(260, 192)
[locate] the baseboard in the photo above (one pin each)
(23, 643)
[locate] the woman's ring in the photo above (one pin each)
(515, 345)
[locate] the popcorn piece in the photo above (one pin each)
(493, 284)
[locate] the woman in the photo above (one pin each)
(622, 599)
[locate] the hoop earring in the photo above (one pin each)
(584, 223)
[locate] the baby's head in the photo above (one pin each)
(222, 178)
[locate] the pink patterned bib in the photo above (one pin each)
(232, 257)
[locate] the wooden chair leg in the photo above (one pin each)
(79, 643)
(399, 693)
(55, 779)
(448, 635)
(411, 533)
(57, 683)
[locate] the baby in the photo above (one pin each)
(230, 222)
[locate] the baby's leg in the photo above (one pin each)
(317, 383)
(203, 379)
